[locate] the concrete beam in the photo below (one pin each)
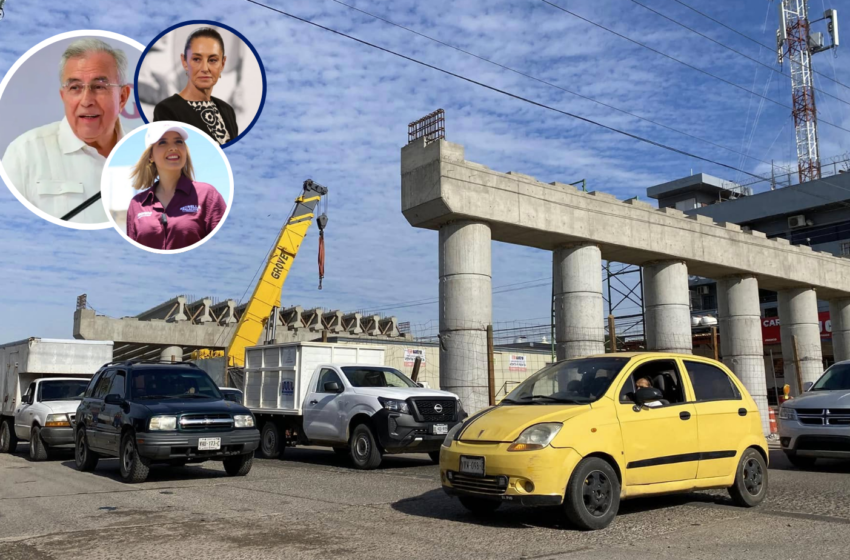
(439, 186)
(171, 310)
(389, 327)
(332, 321)
(199, 311)
(313, 319)
(371, 325)
(293, 318)
(88, 326)
(224, 313)
(351, 323)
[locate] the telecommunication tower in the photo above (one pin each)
(794, 41)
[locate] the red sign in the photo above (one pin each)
(770, 328)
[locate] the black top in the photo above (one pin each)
(175, 108)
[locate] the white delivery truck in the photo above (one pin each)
(40, 379)
(342, 396)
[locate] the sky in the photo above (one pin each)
(337, 112)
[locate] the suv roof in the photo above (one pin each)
(149, 364)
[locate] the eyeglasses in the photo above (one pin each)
(98, 88)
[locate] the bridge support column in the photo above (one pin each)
(740, 337)
(171, 354)
(839, 316)
(798, 317)
(667, 307)
(466, 309)
(579, 329)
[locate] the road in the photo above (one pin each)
(311, 505)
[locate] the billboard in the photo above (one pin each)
(770, 328)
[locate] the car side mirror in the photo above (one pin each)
(647, 394)
(332, 387)
(807, 385)
(114, 399)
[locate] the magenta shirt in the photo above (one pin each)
(191, 215)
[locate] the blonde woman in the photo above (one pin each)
(173, 210)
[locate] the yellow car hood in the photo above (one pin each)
(505, 423)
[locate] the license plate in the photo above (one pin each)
(441, 429)
(209, 444)
(472, 465)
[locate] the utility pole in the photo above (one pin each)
(794, 40)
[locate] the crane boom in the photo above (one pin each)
(267, 291)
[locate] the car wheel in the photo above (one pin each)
(801, 462)
(239, 465)
(593, 495)
(479, 506)
(270, 441)
(750, 486)
(133, 468)
(435, 457)
(84, 457)
(8, 439)
(39, 450)
(364, 451)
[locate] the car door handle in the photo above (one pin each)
(685, 415)
(742, 412)
(314, 402)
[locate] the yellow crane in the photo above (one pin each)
(267, 292)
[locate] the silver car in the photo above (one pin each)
(817, 423)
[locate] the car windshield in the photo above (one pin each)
(578, 381)
(360, 376)
(166, 383)
(70, 390)
(836, 378)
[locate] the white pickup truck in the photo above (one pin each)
(341, 396)
(46, 414)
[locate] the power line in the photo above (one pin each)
(682, 62)
(542, 81)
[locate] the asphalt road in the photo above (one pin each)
(311, 505)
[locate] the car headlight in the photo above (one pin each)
(787, 413)
(394, 405)
(57, 421)
(536, 437)
(163, 423)
(451, 435)
(243, 421)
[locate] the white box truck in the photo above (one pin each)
(342, 396)
(29, 403)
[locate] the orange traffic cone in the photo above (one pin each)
(773, 429)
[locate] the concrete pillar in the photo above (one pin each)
(839, 316)
(667, 307)
(171, 354)
(798, 316)
(740, 337)
(466, 308)
(579, 322)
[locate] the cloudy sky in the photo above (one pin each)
(337, 112)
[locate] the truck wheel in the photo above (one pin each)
(8, 439)
(133, 468)
(479, 506)
(39, 451)
(270, 441)
(435, 457)
(239, 465)
(593, 495)
(750, 486)
(84, 457)
(801, 463)
(364, 451)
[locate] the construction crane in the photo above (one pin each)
(794, 40)
(266, 296)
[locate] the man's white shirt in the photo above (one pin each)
(56, 171)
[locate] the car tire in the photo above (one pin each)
(479, 506)
(364, 450)
(750, 487)
(435, 457)
(592, 498)
(800, 462)
(84, 457)
(134, 468)
(270, 441)
(39, 451)
(8, 439)
(239, 465)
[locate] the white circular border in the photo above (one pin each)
(114, 224)
(18, 63)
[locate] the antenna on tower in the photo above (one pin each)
(794, 41)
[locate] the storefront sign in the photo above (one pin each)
(770, 328)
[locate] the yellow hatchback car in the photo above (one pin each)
(589, 432)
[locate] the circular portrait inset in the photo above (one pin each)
(205, 74)
(167, 187)
(65, 105)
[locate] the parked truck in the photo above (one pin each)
(40, 380)
(342, 396)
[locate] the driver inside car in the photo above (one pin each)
(644, 382)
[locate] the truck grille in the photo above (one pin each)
(485, 485)
(205, 422)
(435, 410)
(824, 417)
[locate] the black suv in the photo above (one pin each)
(171, 413)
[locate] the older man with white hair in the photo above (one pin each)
(57, 167)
